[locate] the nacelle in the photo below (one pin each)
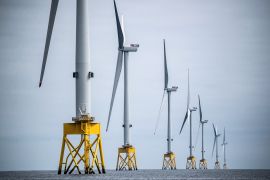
(129, 49)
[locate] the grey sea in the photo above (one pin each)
(143, 174)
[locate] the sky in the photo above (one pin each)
(224, 44)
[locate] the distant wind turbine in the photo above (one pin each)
(127, 149)
(215, 145)
(203, 161)
(191, 160)
(169, 157)
(224, 150)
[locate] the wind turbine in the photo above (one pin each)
(169, 157)
(224, 150)
(84, 118)
(217, 164)
(191, 160)
(126, 154)
(203, 161)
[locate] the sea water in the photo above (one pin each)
(142, 174)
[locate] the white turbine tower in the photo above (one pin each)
(127, 150)
(215, 145)
(83, 118)
(203, 161)
(169, 157)
(191, 160)
(224, 150)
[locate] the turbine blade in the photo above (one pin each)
(214, 146)
(160, 108)
(123, 28)
(200, 108)
(215, 131)
(54, 5)
(186, 116)
(166, 78)
(185, 119)
(119, 28)
(116, 79)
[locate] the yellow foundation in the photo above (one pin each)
(126, 159)
(87, 156)
(169, 161)
(217, 165)
(191, 163)
(203, 164)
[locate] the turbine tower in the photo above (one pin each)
(84, 121)
(203, 161)
(224, 150)
(191, 160)
(127, 153)
(217, 164)
(169, 157)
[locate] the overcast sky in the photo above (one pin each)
(225, 44)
